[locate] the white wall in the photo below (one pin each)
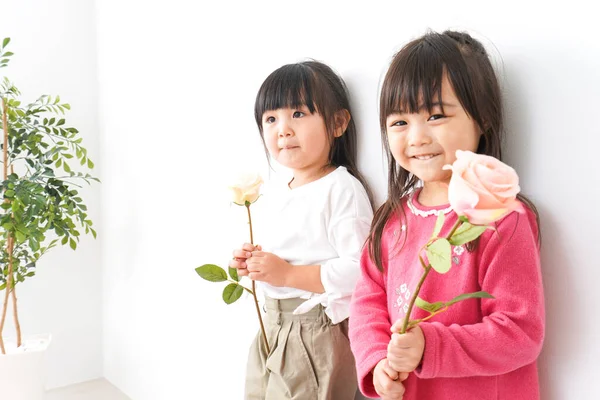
(177, 86)
(55, 53)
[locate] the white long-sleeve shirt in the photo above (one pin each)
(324, 222)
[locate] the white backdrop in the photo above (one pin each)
(176, 83)
(177, 87)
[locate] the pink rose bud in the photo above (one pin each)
(482, 188)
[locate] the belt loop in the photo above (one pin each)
(278, 305)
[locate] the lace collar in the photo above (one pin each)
(424, 213)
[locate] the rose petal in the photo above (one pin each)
(461, 195)
(485, 217)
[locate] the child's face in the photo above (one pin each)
(424, 142)
(296, 139)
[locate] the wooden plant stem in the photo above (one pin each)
(8, 241)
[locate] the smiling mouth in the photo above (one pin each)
(425, 157)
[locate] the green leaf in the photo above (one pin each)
(9, 193)
(466, 233)
(439, 223)
(73, 243)
(429, 307)
(34, 244)
(19, 236)
(233, 273)
(232, 292)
(5, 41)
(90, 164)
(212, 273)
(474, 295)
(438, 254)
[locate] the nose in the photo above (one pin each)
(284, 130)
(419, 135)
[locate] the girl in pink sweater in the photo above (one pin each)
(440, 95)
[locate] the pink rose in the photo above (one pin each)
(482, 188)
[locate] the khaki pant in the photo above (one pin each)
(310, 358)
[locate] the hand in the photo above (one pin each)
(267, 267)
(240, 257)
(388, 382)
(405, 351)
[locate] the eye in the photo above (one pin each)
(398, 123)
(269, 120)
(298, 114)
(435, 117)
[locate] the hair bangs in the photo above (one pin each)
(414, 81)
(291, 86)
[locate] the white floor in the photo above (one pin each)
(99, 389)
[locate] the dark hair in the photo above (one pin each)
(414, 79)
(316, 86)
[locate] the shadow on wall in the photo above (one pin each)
(529, 148)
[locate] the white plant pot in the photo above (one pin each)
(23, 370)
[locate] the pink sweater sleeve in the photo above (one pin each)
(511, 333)
(369, 323)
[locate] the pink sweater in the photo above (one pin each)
(478, 349)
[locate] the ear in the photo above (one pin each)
(342, 119)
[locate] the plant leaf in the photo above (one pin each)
(233, 273)
(467, 233)
(429, 307)
(212, 273)
(439, 223)
(19, 236)
(438, 254)
(474, 295)
(232, 292)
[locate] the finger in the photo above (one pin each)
(259, 254)
(243, 254)
(397, 327)
(400, 341)
(237, 264)
(403, 376)
(390, 388)
(255, 276)
(248, 247)
(390, 371)
(242, 272)
(258, 247)
(253, 267)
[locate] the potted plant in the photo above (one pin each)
(40, 209)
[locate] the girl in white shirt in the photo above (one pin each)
(314, 227)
